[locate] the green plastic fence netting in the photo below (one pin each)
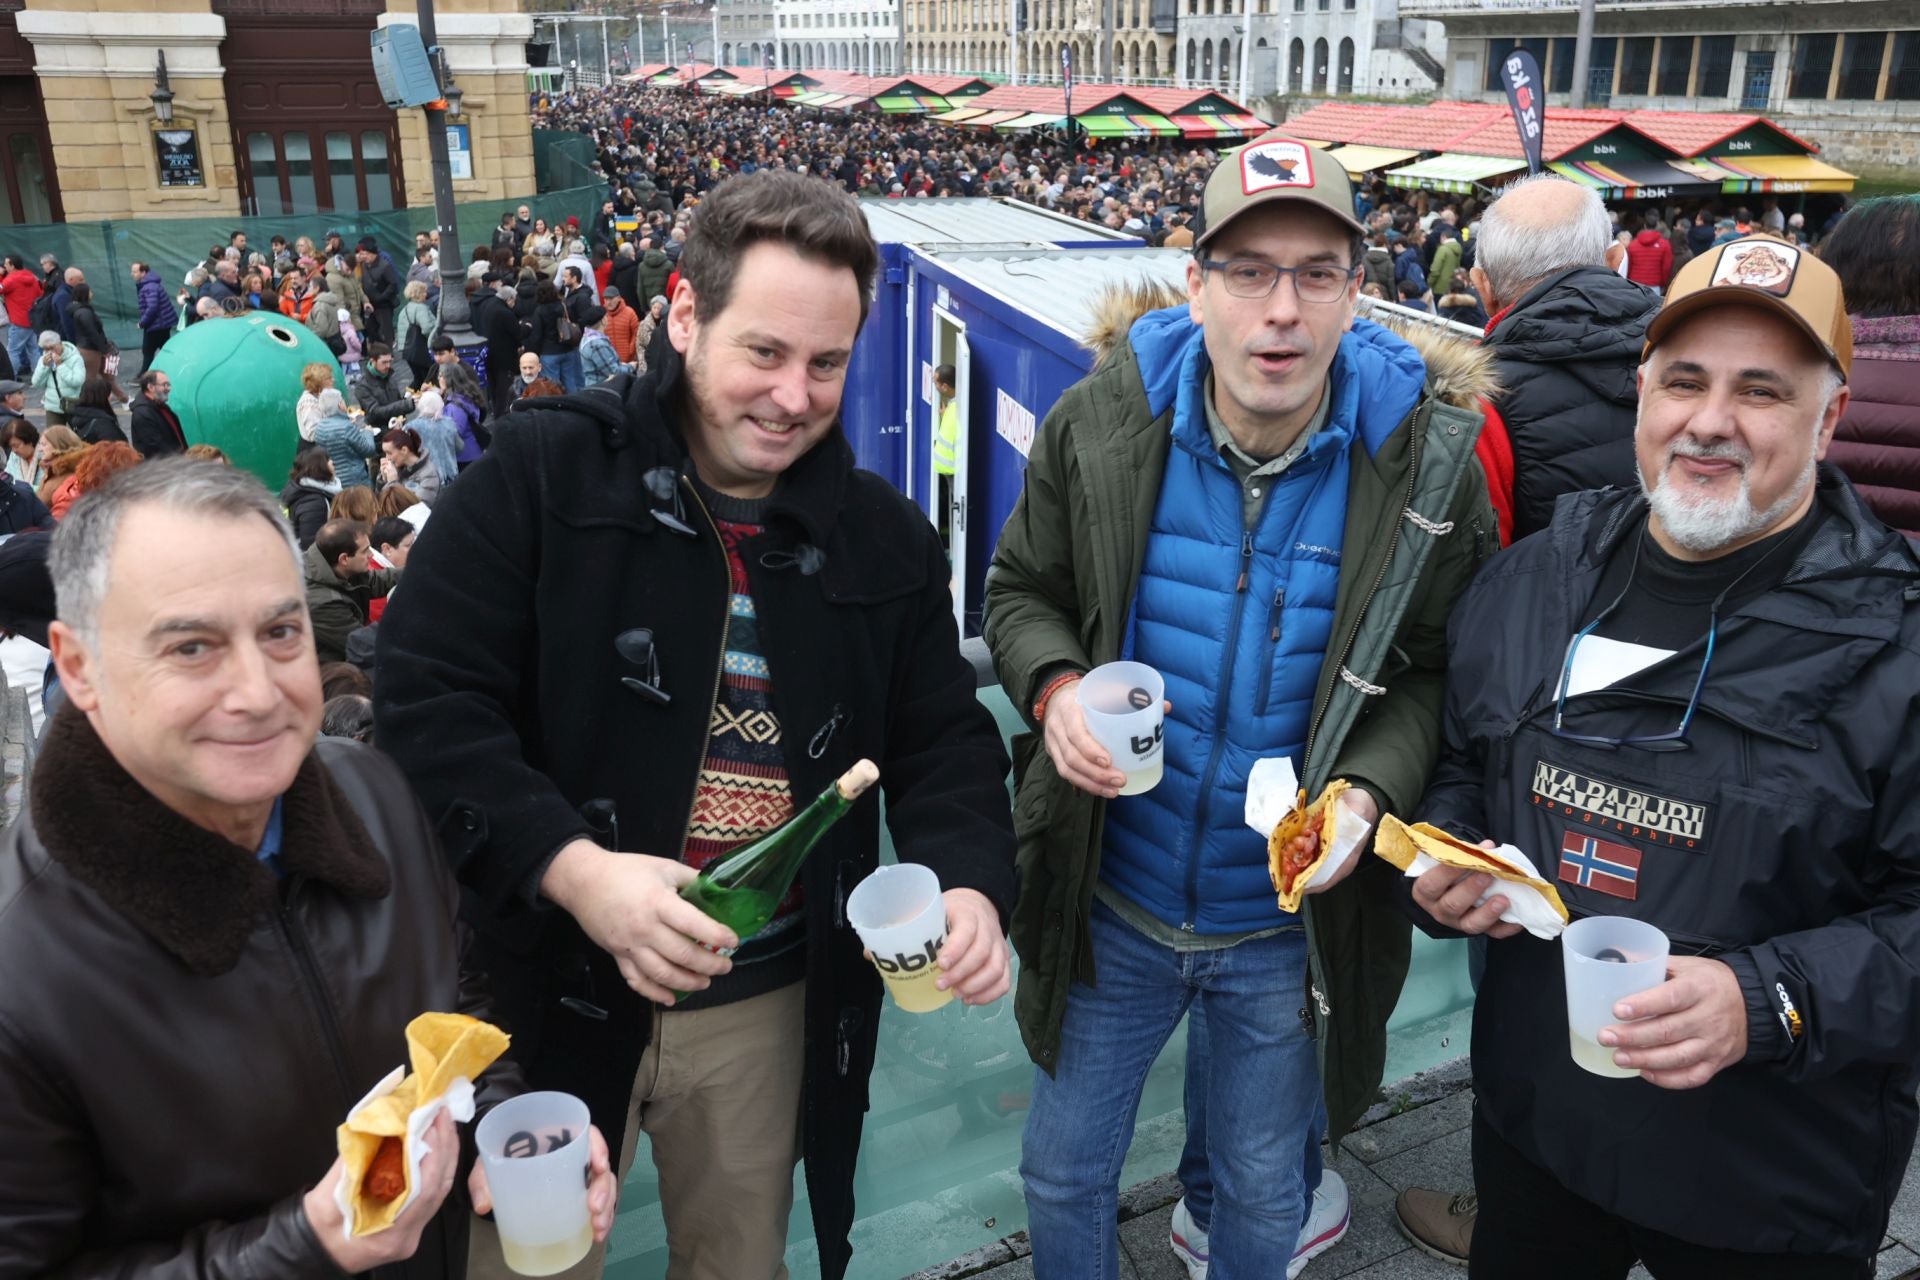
(105, 250)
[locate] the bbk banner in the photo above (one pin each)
(1520, 72)
(1066, 67)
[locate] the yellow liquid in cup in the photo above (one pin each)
(1143, 779)
(1590, 1055)
(915, 992)
(547, 1259)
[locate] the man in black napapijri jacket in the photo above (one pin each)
(1752, 608)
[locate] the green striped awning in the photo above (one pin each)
(1457, 172)
(896, 103)
(1110, 127)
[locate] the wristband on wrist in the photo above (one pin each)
(1053, 686)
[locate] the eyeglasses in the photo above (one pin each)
(1676, 739)
(1251, 278)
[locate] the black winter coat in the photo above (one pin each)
(95, 426)
(499, 693)
(1566, 354)
(543, 334)
(306, 509)
(380, 284)
(88, 334)
(156, 429)
(1785, 842)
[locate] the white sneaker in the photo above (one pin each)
(1189, 1241)
(1326, 1224)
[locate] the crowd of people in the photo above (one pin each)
(644, 624)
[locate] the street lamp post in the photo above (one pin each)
(455, 316)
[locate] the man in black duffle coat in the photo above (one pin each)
(658, 617)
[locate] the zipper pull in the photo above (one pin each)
(1279, 602)
(1246, 560)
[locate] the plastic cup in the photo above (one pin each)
(1607, 959)
(535, 1150)
(902, 920)
(1125, 706)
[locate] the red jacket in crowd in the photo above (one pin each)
(1650, 259)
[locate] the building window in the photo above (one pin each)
(1497, 50)
(1676, 61)
(1558, 69)
(1322, 5)
(373, 159)
(1299, 6)
(264, 164)
(1903, 82)
(1812, 65)
(1636, 66)
(1296, 66)
(1320, 65)
(30, 178)
(1344, 82)
(1716, 67)
(1860, 65)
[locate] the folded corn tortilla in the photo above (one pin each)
(448, 1051)
(1323, 817)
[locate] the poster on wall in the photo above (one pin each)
(178, 151)
(459, 152)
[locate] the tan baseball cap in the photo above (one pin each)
(1269, 168)
(1760, 271)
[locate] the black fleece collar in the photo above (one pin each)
(195, 893)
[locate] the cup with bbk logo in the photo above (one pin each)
(1125, 706)
(902, 921)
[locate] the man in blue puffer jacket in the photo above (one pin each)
(1268, 501)
(157, 313)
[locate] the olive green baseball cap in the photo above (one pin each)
(1271, 168)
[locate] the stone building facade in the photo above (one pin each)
(275, 108)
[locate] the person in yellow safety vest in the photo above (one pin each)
(946, 450)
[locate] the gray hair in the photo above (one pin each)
(49, 340)
(331, 402)
(1518, 253)
(80, 557)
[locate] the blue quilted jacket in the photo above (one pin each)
(1238, 623)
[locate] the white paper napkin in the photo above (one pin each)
(458, 1099)
(1526, 905)
(1273, 792)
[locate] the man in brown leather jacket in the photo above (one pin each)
(214, 932)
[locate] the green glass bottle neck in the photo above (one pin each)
(775, 857)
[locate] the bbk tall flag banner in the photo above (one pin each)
(1521, 74)
(1066, 81)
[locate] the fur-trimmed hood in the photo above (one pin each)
(1459, 372)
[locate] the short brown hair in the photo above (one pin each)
(812, 217)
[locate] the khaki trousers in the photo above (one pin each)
(718, 1095)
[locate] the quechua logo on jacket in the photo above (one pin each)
(1630, 811)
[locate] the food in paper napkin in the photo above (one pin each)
(1532, 903)
(1277, 808)
(382, 1141)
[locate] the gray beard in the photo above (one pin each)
(1703, 527)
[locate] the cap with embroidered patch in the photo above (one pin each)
(1275, 167)
(1761, 271)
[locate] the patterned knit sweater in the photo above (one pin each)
(743, 790)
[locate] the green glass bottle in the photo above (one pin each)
(743, 889)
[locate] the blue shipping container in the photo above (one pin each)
(876, 407)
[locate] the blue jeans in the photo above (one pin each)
(22, 350)
(1262, 1097)
(565, 369)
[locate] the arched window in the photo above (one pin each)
(1192, 54)
(1133, 60)
(1345, 80)
(1296, 66)
(1153, 61)
(1206, 60)
(1226, 62)
(1320, 66)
